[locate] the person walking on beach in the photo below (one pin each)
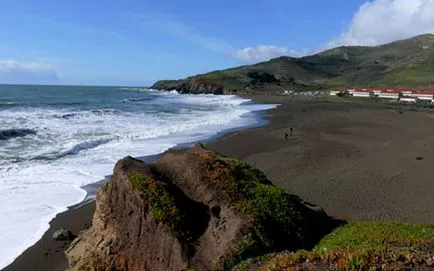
(290, 131)
(286, 135)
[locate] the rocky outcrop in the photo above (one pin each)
(190, 85)
(63, 235)
(192, 209)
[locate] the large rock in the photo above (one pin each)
(191, 209)
(190, 85)
(63, 235)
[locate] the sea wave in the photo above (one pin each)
(135, 89)
(13, 133)
(76, 149)
(87, 145)
(135, 100)
(83, 113)
(42, 174)
(10, 104)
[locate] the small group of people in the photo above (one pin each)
(288, 133)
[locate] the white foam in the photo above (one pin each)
(74, 148)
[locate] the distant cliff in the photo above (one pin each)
(405, 63)
(192, 210)
(191, 85)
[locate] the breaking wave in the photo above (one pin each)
(73, 137)
(13, 133)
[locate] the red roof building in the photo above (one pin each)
(393, 93)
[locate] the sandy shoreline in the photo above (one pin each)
(356, 160)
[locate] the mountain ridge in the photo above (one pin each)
(404, 63)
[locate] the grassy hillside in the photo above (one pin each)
(359, 246)
(405, 63)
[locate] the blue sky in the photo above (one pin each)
(128, 42)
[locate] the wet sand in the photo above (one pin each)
(48, 254)
(356, 160)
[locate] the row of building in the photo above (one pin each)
(397, 94)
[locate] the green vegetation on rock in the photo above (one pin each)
(157, 198)
(169, 206)
(377, 236)
(361, 246)
(281, 232)
(280, 220)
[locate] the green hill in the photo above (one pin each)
(404, 63)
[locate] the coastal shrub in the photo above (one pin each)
(261, 77)
(369, 245)
(251, 263)
(280, 220)
(377, 236)
(168, 205)
(157, 197)
(276, 221)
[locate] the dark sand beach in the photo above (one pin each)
(356, 160)
(48, 254)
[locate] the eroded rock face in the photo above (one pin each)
(189, 85)
(192, 209)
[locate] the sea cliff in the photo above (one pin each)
(192, 209)
(190, 86)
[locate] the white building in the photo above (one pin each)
(408, 99)
(361, 93)
(376, 92)
(421, 95)
(388, 94)
(402, 95)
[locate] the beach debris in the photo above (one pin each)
(289, 132)
(419, 158)
(63, 235)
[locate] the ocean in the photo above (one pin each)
(54, 140)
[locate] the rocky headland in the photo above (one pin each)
(404, 63)
(189, 85)
(195, 209)
(192, 210)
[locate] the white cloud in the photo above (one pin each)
(263, 53)
(34, 66)
(382, 21)
(375, 22)
(30, 72)
(172, 26)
